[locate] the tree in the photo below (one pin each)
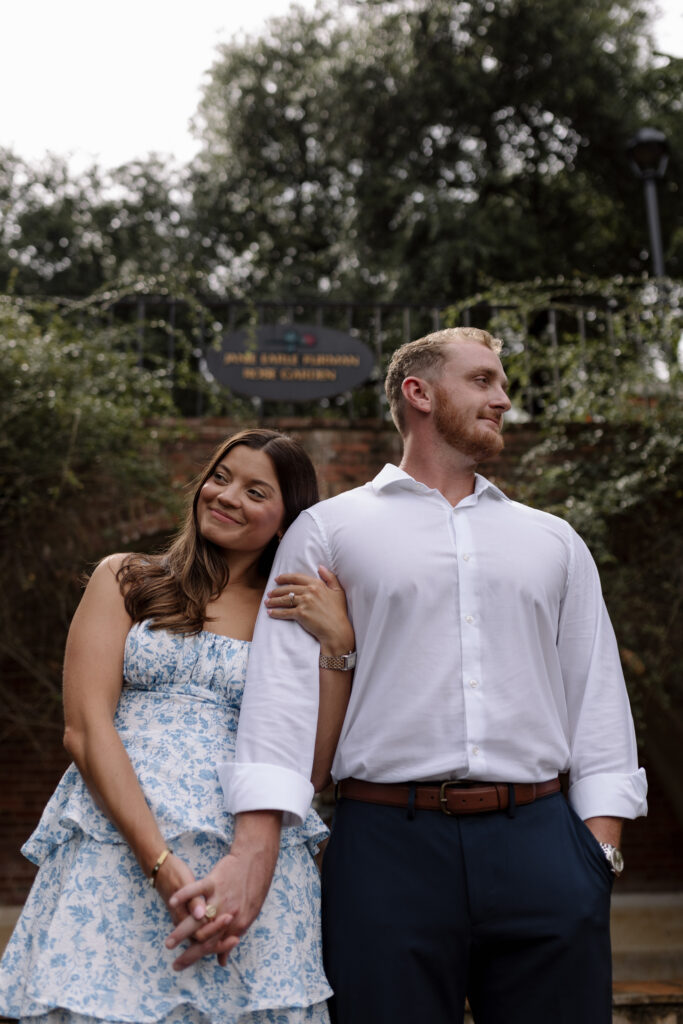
(414, 150)
(78, 457)
(63, 234)
(271, 190)
(399, 150)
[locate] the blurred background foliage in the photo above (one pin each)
(79, 464)
(450, 153)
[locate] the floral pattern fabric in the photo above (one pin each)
(185, 1014)
(90, 940)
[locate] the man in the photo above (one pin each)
(486, 666)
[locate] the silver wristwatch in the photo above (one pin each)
(614, 857)
(340, 662)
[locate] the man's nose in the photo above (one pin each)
(502, 399)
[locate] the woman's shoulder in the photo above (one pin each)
(135, 560)
(118, 570)
(107, 570)
(112, 563)
(102, 596)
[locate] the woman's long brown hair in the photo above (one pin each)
(173, 588)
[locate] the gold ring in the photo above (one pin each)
(291, 596)
(210, 912)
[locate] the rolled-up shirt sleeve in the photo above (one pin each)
(278, 717)
(604, 776)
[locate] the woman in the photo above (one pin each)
(153, 675)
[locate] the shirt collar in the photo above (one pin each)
(392, 477)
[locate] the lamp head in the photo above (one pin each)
(648, 153)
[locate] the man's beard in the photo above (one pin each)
(457, 430)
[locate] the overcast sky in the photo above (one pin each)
(107, 83)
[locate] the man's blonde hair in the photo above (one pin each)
(424, 358)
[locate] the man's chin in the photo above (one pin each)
(478, 441)
(486, 447)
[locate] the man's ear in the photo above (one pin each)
(417, 393)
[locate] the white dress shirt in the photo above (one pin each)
(485, 652)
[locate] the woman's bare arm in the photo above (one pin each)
(93, 677)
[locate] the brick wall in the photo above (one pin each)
(345, 457)
(29, 771)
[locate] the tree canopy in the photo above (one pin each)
(416, 150)
(397, 150)
(68, 235)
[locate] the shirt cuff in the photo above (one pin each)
(266, 787)
(614, 796)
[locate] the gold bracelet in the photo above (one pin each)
(155, 869)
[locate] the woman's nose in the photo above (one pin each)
(229, 494)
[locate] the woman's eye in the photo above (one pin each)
(255, 494)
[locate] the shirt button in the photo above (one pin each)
(469, 618)
(475, 750)
(474, 684)
(466, 557)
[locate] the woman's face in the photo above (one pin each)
(240, 507)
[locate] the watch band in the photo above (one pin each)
(340, 662)
(614, 857)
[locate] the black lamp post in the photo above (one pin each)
(648, 153)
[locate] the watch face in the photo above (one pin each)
(617, 861)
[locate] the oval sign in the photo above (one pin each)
(290, 362)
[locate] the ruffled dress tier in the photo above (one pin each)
(90, 939)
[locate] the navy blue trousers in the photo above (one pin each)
(512, 912)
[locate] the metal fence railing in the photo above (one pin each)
(567, 355)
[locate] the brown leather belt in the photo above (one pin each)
(450, 797)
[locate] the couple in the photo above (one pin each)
(486, 666)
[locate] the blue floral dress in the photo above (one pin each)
(89, 944)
